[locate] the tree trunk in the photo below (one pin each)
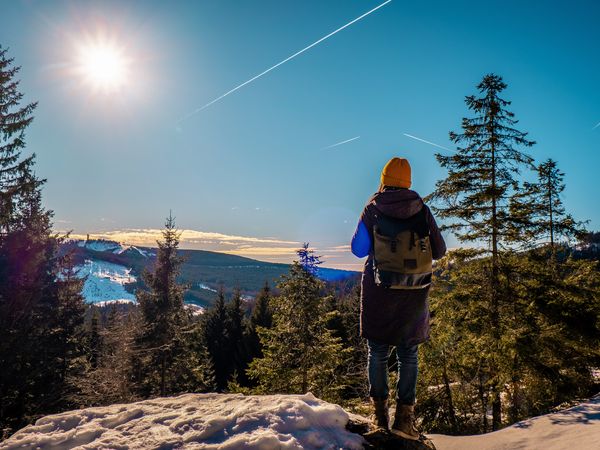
(482, 400)
(163, 370)
(495, 310)
(448, 390)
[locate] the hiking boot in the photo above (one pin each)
(404, 422)
(382, 416)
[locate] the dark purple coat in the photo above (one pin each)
(393, 316)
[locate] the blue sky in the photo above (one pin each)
(251, 173)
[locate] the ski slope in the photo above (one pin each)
(105, 281)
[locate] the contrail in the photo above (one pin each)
(341, 143)
(427, 142)
(281, 62)
(597, 125)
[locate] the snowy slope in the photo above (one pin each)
(576, 428)
(101, 245)
(196, 421)
(105, 281)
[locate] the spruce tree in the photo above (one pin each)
(300, 353)
(16, 178)
(214, 326)
(41, 307)
(538, 213)
(308, 260)
(474, 196)
(95, 341)
(165, 348)
(237, 333)
(262, 316)
(455, 382)
(112, 378)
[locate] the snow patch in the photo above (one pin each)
(105, 281)
(113, 302)
(573, 428)
(196, 310)
(206, 287)
(197, 421)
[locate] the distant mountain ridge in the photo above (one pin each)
(114, 271)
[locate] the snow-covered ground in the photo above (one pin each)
(576, 428)
(196, 421)
(195, 309)
(234, 421)
(105, 281)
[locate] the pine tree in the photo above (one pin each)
(476, 192)
(111, 380)
(41, 307)
(455, 379)
(16, 179)
(300, 353)
(538, 212)
(262, 316)
(214, 327)
(556, 333)
(236, 333)
(95, 341)
(346, 325)
(165, 346)
(308, 260)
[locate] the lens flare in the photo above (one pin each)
(103, 66)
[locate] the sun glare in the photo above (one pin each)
(103, 66)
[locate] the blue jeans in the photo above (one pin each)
(406, 389)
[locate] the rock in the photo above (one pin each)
(379, 439)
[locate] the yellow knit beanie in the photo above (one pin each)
(396, 173)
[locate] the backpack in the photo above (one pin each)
(402, 252)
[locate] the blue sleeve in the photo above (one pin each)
(361, 241)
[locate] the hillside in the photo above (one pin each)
(114, 271)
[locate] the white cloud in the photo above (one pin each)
(203, 240)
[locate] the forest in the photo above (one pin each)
(515, 311)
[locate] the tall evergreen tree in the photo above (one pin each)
(94, 340)
(538, 212)
(41, 308)
(308, 260)
(16, 177)
(262, 316)
(165, 346)
(214, 326)
(299, 352)
(109, 377)
(476, 192)
(237, 333)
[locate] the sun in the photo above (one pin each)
(103, 66)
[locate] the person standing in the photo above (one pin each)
(399, 235)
